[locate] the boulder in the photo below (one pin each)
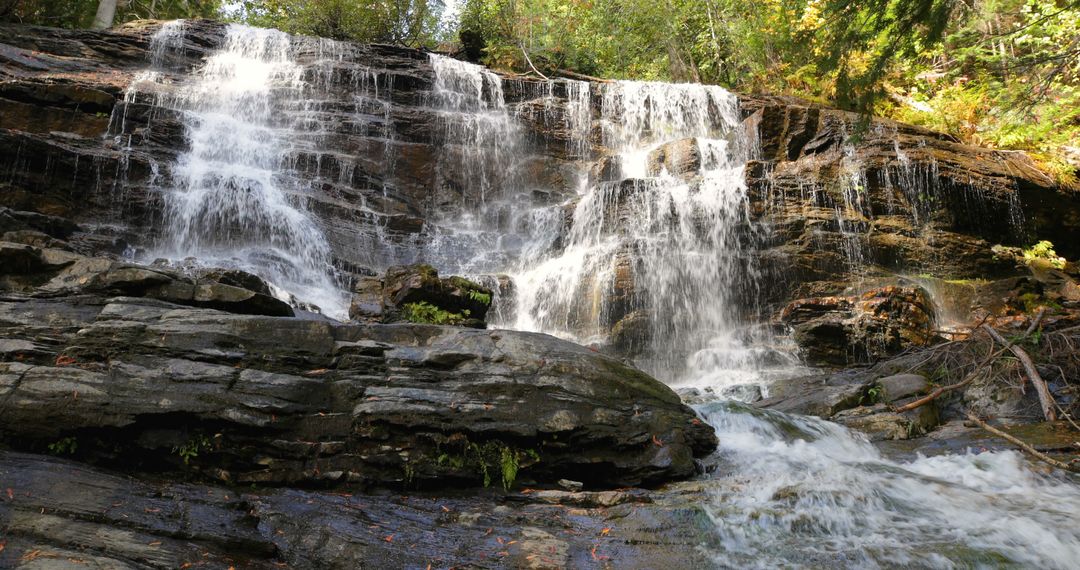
(900, 386)
(879, 423)
(256, 399)
(416, 293)
(681, 158)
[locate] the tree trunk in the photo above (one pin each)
(106, 12)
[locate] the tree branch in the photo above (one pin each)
(1045, 398)
(1023, 446)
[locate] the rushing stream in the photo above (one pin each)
(790, 491)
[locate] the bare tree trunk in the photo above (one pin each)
(106, 13)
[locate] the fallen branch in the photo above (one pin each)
(581, 76)
(1045, 399)
(1023, 446)
(529, 61)
(1035, 322)
(945, 389)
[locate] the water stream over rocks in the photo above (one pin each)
(650, 244)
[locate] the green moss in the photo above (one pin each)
(426, 313)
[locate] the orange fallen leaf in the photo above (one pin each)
(63, 360)
(389, 538)
(10, 494)
(657, 441)
(605, 531)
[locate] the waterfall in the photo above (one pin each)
(670, 249)
(233, 198)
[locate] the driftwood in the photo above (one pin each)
(580, 76)
(1045, 399)
(529, 61)
(945, 389)
(1023, 446)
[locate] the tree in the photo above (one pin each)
(106, 13)
(403, 22)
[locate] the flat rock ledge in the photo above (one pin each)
(152, 386)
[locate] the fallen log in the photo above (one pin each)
(1046, 400)
(1023, 446)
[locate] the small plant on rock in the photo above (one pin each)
(426, 313)
(1044, 250)
(192, 447)
(64, 446)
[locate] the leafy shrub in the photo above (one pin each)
(426, 313)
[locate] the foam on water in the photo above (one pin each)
(796, 491)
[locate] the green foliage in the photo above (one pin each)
(404, 22)
(1044, 250)
(480, 297)
(999, 73)
(875, 394)
(424, 312)
(64, 446)
(80, 13)
(192, 447)
(489, 456)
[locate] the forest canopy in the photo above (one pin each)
(998, 73)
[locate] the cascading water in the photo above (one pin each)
(788, 491)
(795, 491)
(671, 246)
(231, 199)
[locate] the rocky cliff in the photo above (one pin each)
(89, 137)
(770, 220)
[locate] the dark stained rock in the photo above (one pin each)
(256, 399)
(65, 514)
(845, 330)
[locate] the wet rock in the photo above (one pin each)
(396, 295)
(821, 395)
(900, 386)
(258, 399)
(678, 158)
(630, 336)
(879, 423)
(847, 330)
(62, 513)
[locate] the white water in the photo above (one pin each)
(682, 242)
(231, 199)
(802, 492)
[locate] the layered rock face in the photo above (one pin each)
(401, 156)
(156, 380)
